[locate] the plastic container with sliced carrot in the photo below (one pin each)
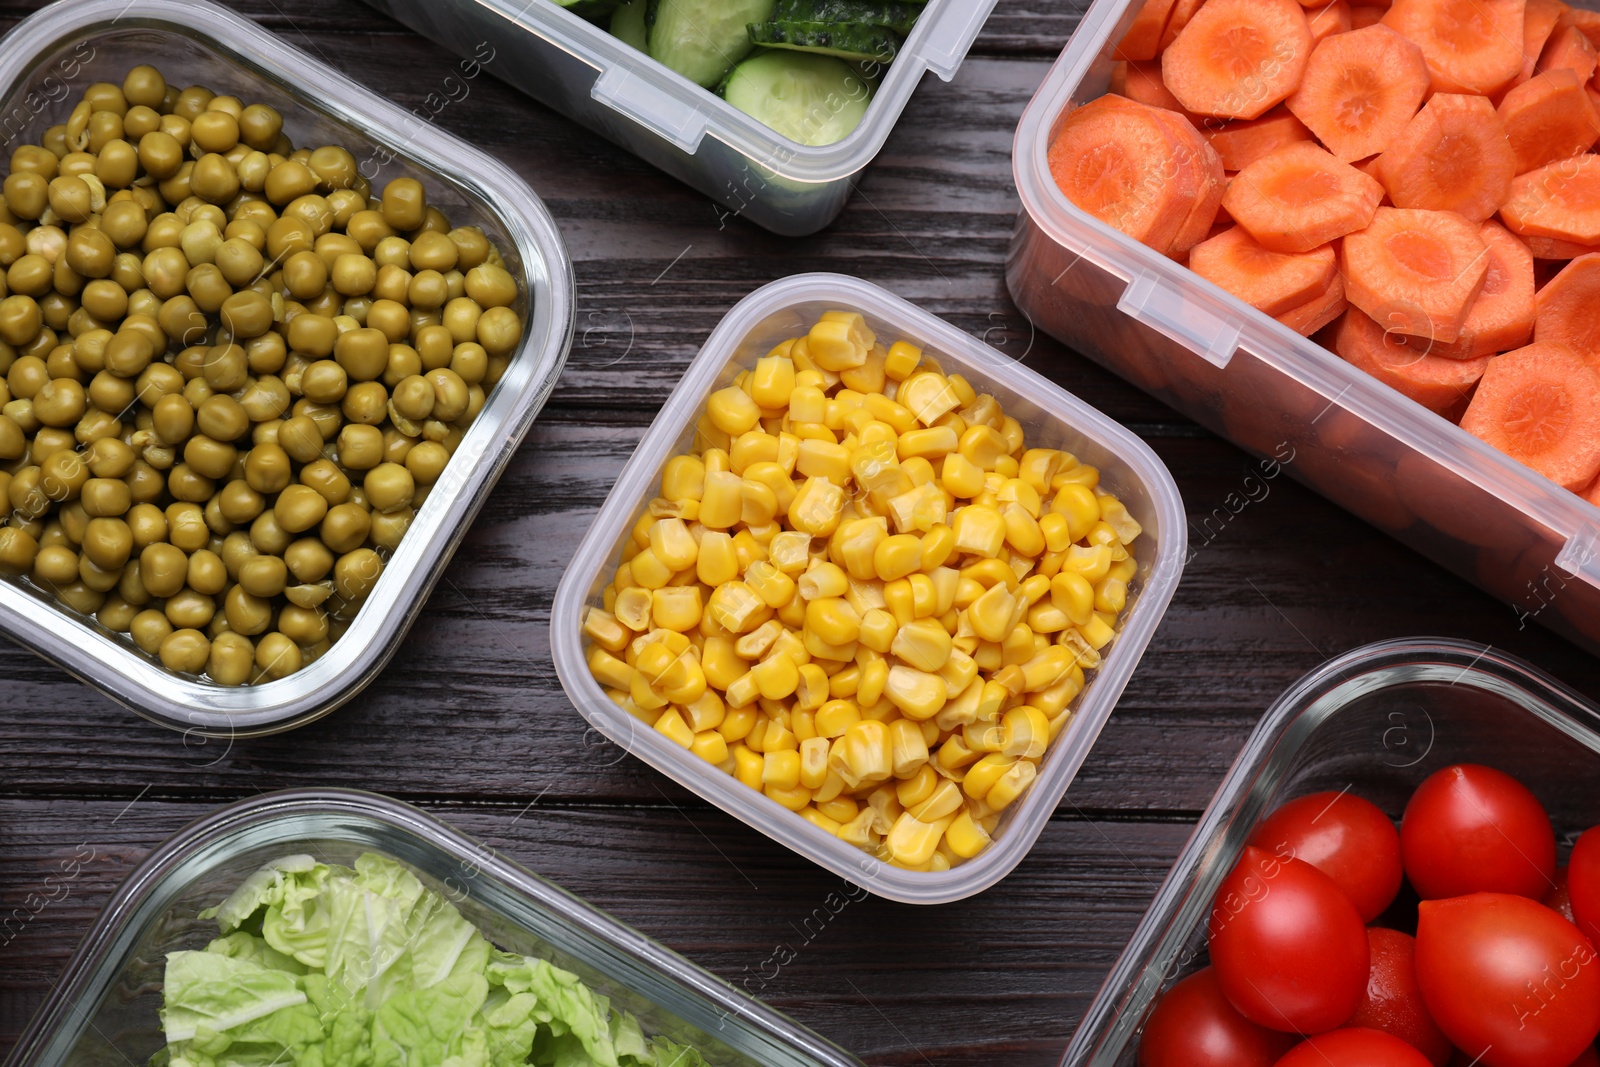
(1413, 183)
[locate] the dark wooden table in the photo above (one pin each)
(471, 724)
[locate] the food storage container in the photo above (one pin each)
(49, 59)
(1239, 373)
(1051, 418)
(1375, 721)
(106, 1001)
(691, 133)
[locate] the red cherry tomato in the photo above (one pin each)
(1346, 838)
(1393, 1002)
(1559, 900)
(1193, 1025)
(1473, 829)
(1508, 980)
(1288, 947)
(1353, 1047)
(1583, 883)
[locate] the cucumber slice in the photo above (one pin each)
(703, 39)
(812, 99)
(848, 41)
(593, 10)
(627, 24)
(896, 15)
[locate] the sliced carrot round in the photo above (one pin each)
(1405, 364)
(1182, 12)
(1300, 197)
(1539, 21)
(1501, 318)
(1141, 82)
(1273, 282)
(1540, 405)
(1569, 309)
(1240, 142)
(1317, 312)
(1453, 156)
(1586, 21)
(1203, 172)
(1328, 20)
(1360, 90)
(1237, 58)
(1559, 200)
(1568, 49)
(1472, 46)
(1549, 117)
(1364, 15)
(1416, 272)
(1143, 38)
(1551, 248)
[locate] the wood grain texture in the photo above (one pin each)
(472, 724)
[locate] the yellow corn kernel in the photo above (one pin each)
(709, 436)
(1039, 466)
(677, 608)
(677, 731)
(723, 502)
(844, 680)
(604, 630)
(986, 773)
(835, 717)
(608, 670)
(832, 620)
(960, 477)
(856, 540)
(1022, 530)
(648, 570)
(821, 649)
(1072, 593)
(1097, 632)
(858, 831)
(897, 556)
(683, 478)
(1078, 504)
(917, 787)
(984, 735)
(941, 803)
(922, 644)
(781, 769)
(1045, 618)
(776, 677)
(863, 754)
(913, 842)
(737, 608)
(747, 766)
(772, 381)
(908, 749)
(823, 459)
(716, 561)
(789, 551)
(819, 820)
(946, 585)
(816, 508)
(823, 580)
(965, 836)
(900, 600)
(750, 449)
(1026, 731)
(641, 531)
(929, 396)
(919, 508)
(743, 691)
(769, 583)
(1111, 595)
(705, 713)
(807, 404)
(901, 361)
(811, 691)
(869, 377)
(983, 446)
(878, 630)
(721, 661)
(1011, 430)
(924, 598)
(1011, 785)
(1057, 530)
(1093, 562)
(1045, 669)
(933, 442)
(812, 762)
(839, 343)
(1054, 699)
(732, 411)
(954, 754)
(716, 460)
(874, 677)
(1016, 491)
(979, 530)
(778, 738)
(709, 746)
(890, 412)
(992, 614)
(1123, 570)
(1115, 514)
(918, 694)
(737, 724)
(839, 808)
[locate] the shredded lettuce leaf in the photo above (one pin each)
(319, 965)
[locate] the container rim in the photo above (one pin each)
(209, 710)
(955, 349)
(683, 112)
(1566, 514)
(246, 816)
(1179, 902)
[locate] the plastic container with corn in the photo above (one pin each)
(865, 596)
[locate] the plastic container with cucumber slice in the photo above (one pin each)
(810, 99)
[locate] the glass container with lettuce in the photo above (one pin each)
(805, 68)
(321, 965)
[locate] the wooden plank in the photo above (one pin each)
(1000, 978)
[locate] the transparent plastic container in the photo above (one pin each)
(667, 120)
(103, 1008)
(1051, 418)
(1252, 380)
(49, 59)
(1375, 721)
